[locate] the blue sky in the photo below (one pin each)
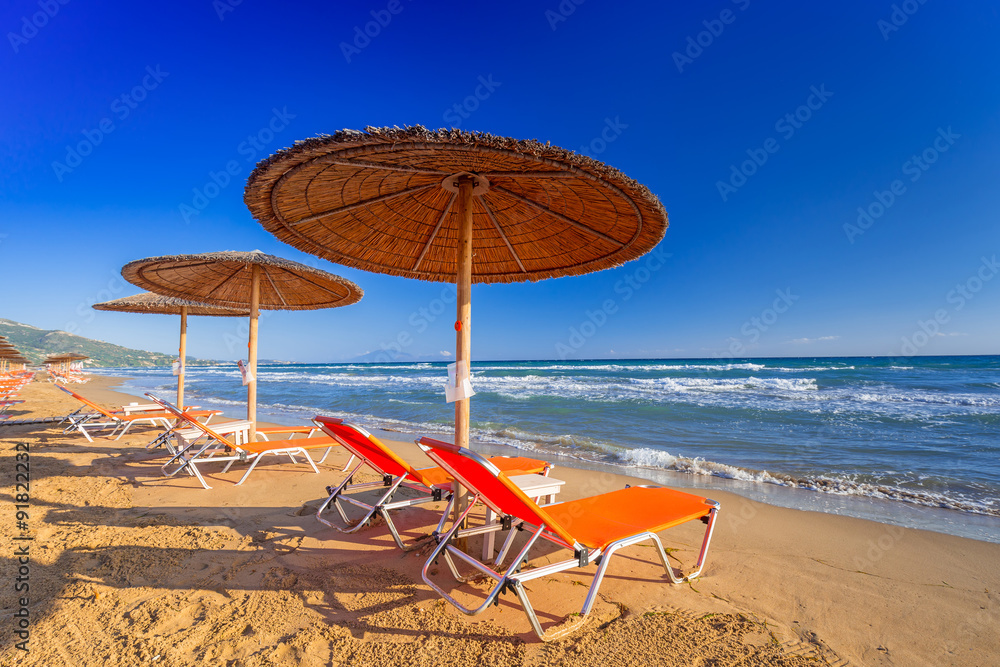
(840, 104)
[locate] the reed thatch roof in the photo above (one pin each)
(59, 358)
(374, 200)
(224, 278)
(157, 304)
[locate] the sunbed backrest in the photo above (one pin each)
(495, 489)
(183, 416)
(89, 404)
(365, 446)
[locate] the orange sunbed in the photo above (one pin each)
(592, 528)
(219, 449)
(85, 423)
(431, 482)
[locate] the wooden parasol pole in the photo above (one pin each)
(463, 338)
(183, 357)
(252, 354)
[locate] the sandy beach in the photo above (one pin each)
(127, 567)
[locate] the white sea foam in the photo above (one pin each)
(621, 368)
(651, 458)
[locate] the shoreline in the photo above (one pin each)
(826, 587)
(889, 511)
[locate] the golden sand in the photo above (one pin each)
(128, 567)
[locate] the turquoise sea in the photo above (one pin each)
(912, 441)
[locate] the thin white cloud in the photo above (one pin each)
(445, 353)
(800, 341)
(953, 333)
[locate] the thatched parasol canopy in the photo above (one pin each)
(243, 280)
(448, 205)
(62, 357)
(156, 304)
(379, 200)
(225, 279)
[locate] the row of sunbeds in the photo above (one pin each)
(67, 377)
(593, 529)
(11, 385)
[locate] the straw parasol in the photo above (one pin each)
(243, 280)
(157, 304)
(63, 358)
(9, 355)
(455, 206)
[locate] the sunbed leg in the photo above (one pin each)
(187, 461)
(176, 455)
(371, 512)
(384, 513)
(533, 619)
(502, 580)
(507, 544)
(349, 462)
(333, 498)
(234, 460)
(124, 430)
(703, 554)
(197, 473)
(309, 460)
(442, 547)
(253, 465)
(444, 517)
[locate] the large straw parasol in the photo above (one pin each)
(453, 206)
(157, 304)
(243, 280)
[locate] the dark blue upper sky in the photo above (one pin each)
(763, 128)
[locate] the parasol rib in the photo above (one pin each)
(360, 204)
(277, 292)
(384, 167)
(560, 216)
(496, 224)
(427, 246)
(340, 297)
(529, 174)
(222, 284)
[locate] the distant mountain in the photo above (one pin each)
(36, 344)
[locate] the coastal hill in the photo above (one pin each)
(35, 344)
